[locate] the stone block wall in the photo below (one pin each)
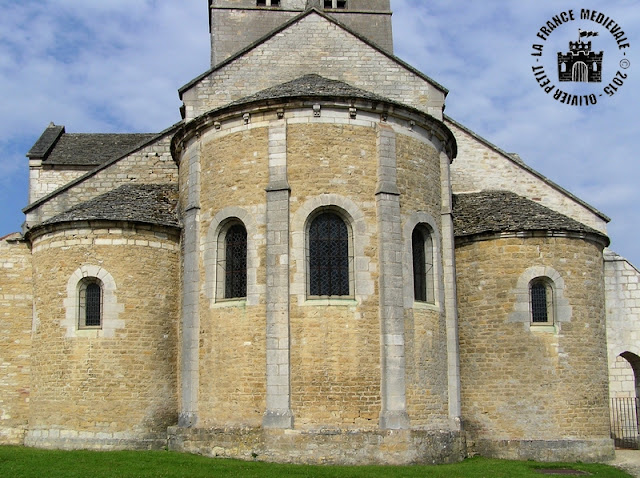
(237, 24)
(523, 384)
(45, 181)
(232, 332)
(622, 283)
(16, 289)
(480, 167)
(314, 45)
(114, 387)
(150, 165)
(314, 363)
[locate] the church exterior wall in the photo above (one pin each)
(43, 181)
(622, 284)
(335, 345)
(16, 290)
(112, 387)
(323, 358)
(533, 391)
(233, 340)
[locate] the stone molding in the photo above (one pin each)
(111, 309)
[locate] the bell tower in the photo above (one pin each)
(236, 24)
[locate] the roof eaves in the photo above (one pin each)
(101, 167)
(516, 159)
(290, 22)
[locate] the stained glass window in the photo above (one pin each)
(328, 256)
(236, 262)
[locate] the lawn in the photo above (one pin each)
(18, 462)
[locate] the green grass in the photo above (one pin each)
(18, 462)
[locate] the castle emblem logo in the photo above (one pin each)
(588, 70)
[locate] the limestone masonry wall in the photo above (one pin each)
(101, 388)
(45, 181)
(425, 329)
(622, 284)
(232, 333)
(335, 349)
(16, 289)
(313, 46)
(523, 382)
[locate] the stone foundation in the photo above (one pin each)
(57, 439)
(340, 447)
(589, 451)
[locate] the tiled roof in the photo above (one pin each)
(93, 149)
(503, 211)
(311, 85)
(146, 203)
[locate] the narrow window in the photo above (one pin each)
(423, 271)
(90, 304)
(235, 262)
(541, 297)
(335, 4)
(328, 256)
(261, 3)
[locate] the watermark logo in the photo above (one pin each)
(577, 66)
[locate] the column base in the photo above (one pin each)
(278, 419)
(394, 420)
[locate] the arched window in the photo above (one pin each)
(423, 271)
(541, 299)
(90, 303)
(235, 262)
(328, 256)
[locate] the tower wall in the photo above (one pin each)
(532, 391)
(115, 386)
(236, 24)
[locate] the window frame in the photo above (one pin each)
(427, 273)
(335, 4)
(83, 285)
(268, 3)
(350, 253)
(549, 298)
(221, 261)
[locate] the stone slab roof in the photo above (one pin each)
(145, 203)
(494, 212)
(88, 149)
(312, 85)
(46, 142)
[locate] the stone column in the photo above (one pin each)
(189, 373)
(278, 413)
(390, 251)
(450, 290)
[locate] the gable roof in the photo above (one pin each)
(101, 167)
(491, 212)
(82, 149)
(296, 19)
(144, 203)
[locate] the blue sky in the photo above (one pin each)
(115, 66)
